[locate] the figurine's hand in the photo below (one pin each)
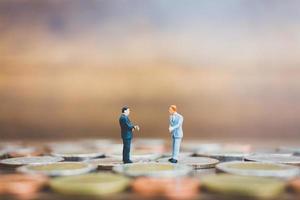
(136, 127)
(170, 129)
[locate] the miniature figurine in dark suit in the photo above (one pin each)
(126, 133)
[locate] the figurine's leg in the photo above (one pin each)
(126, 150)
(176, 148)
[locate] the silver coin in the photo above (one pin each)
(196, 146)
(138, 156)
(195, 162)
(274, 158)
(31, 160)
(224, 156)
(289, 149)
(105, 163)
(153, 169)
(71, 152)
(258, 169)
(58, 169)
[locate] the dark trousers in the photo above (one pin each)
(126, 149)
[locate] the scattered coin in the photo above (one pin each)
(243, 186)
(59, 169)
(20, 185)
(195, 162)
(90, 184)
(171, 188)
(275, 158)
(258, 169)
(105, 163)
(30, 160)
(153, 169)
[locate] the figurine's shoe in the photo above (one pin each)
(172, 160)
(128, 161)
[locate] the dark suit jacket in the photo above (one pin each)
(126, 127)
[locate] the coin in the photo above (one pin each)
(77, 154)
(243, 186)
(195, 162)
(258, 169)
(289, 149)
(138, 156)
(59, 169)
(172, 188)
(90, 184)
(224, 156)
(226, 152)
(196, 146)
(274, 158)
(30, 160)
(105, 163)
(153, 169)
(23, 186)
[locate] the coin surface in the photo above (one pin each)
(195, 162)
(226, 152)
(274, 158)
(243, 186)
(153, 169)
(77, 154)
(30, 160)
(258, 169)
(105, 163)
(90, 184)
(23, 186)
(138, 156)
(59, 169)
(289, 149)
(172, 188)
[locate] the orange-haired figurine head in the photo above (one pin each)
(172, 109)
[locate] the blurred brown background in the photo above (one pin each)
(67, 67)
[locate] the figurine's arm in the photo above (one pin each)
(178, 124)
(127, 123)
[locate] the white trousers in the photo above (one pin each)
(176, 148)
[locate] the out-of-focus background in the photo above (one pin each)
(68, 66)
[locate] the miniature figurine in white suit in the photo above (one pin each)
(175, 128)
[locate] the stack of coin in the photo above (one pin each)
(153, 169)
(274, 158)
(59, 169)
(16, 162)
(90, 184)
(20, 185)
(259, 169)
(105, 163)
(172, 188)
(195, 162)
(243, 186)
